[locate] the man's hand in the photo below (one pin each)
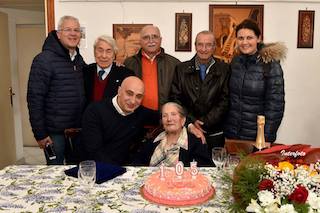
(42, 143)
(197, 132)
(198, 125)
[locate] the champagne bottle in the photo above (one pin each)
(260, 140)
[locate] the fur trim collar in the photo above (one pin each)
(272, 52)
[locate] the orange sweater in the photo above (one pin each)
(150, 80)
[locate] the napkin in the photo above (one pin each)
(104, 171)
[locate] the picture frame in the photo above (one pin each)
(127, 38)
(223, 20)
(183, 32)
(305, 29)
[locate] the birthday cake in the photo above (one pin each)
(173, 190)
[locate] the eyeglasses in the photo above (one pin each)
(69, 30)
(150, 37)
(206, 46)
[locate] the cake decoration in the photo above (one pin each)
(177, 186)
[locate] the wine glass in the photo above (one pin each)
(87, 173)
(87, 178)
(219, 155)
(232, 162)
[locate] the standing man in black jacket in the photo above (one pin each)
(55, 89)
(201, 86)
(102, 79)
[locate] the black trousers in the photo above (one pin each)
(214, 141)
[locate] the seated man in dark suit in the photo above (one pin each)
(112, 126)
(102, 79)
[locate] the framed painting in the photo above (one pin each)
(183, 32)
(305, 29)
(127, 37)
(223, 20)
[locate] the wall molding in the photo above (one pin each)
(225, 1)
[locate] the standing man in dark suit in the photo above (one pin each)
(102, 79)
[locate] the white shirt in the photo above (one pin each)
(106, 71)
(118, 108)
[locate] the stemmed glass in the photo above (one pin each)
(87, 173)
(87, 178)
(232, 162)
(219, 156)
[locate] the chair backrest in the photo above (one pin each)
(234, 146)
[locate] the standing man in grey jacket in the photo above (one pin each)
(55, 89)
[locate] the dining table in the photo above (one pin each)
(42, 188)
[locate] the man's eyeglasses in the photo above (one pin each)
(150, 37)
(205, 45)
(69, 30)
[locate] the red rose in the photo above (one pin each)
(266, 184)
(299, 195)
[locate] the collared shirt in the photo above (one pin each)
(106, 71)
(169, 155)
(148, 57)
(118, 108)
(208, 65)
(73, 55)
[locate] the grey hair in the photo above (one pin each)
(150, 25)
(107, 39)
(205, 32)
(181, 110)
(65, 18)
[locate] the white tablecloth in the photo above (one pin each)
(27, 188)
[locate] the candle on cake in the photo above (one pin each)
(179, 169)
(162, 172)
(194, 169)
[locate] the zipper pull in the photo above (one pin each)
(74, 67)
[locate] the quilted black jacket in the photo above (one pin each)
(55, 89)
(256, 88)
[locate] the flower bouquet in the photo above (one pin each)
(285, 188)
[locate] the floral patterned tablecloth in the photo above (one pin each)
(29, 188)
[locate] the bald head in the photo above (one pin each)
(130, 94)
(150, 40)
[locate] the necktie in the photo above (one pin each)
(100, 74)
(202, 71)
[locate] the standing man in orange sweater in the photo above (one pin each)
(154, 67)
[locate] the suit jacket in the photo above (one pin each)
(115, 78)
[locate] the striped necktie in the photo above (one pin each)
(100, 74)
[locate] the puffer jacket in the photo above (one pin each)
(55, 95)
(256, 88)
(203, 100)
(166, 65)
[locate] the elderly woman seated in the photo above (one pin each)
(174, 143)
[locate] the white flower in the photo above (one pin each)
(266, 197)
(316, 178)
(287, 208)
(314, 201)
(272, 208)
(254, 207)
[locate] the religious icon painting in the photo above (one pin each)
(183, 32)
(305, 29)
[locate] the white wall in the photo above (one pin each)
(302, 78)
(18, 17)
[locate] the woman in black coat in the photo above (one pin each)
(256, 85)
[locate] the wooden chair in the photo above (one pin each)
(234, 146)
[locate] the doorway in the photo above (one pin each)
(30, 38)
